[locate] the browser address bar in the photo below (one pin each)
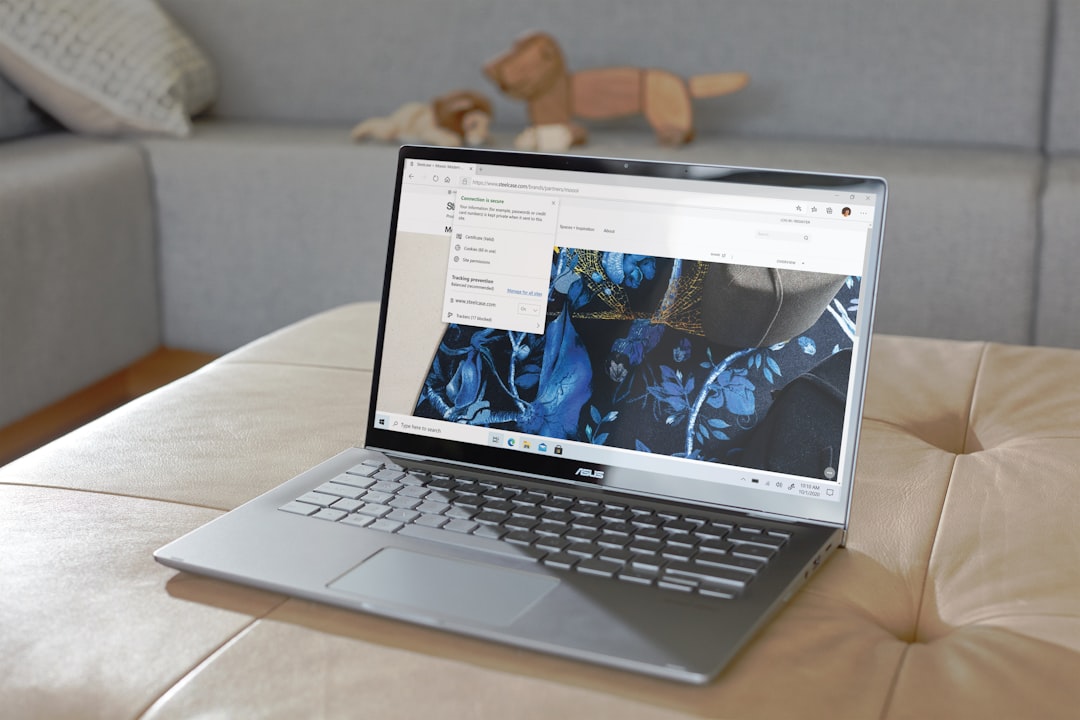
(630, 193)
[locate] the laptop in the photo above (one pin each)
(614, 412)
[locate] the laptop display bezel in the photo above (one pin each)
(565, 471)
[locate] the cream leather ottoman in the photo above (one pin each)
(958, 594)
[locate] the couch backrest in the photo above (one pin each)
(967, 71)
(1063, 134)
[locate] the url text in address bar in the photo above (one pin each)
(632, 194)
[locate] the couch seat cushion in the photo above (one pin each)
(955, 596)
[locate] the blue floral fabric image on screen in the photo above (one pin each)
(710, 361)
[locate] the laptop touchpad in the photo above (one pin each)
(444, 587)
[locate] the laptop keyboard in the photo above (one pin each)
(642, 545)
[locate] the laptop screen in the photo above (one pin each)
(689, 332)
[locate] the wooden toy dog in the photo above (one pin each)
(534, 70)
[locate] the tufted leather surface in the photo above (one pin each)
(958, 594)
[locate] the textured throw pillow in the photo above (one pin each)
(105, 66)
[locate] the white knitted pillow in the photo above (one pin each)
(105, 66)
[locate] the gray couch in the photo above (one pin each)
(109, 248)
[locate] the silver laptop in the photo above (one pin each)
(614, 414)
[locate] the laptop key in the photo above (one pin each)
(677, 552)
(489, 531)
(358, 520)
(707, 532)
(683, 541)
(551, 544)
(388, 474)
(582, 549)
(650, 533)
(457, 512)
(618, 528)
(579, 534)
(531, 497)
(314, 498)
(750, 565)
(718, 547)
(434, 508)
(442, 496)
(429, 520)
(645, 546)
(637, 576)
(330, 514)
(375, 510)
(680, 526)
(358, 481)
(520, 523)
(403, 503)
(616, 555)
(717, 591)
(299, 508)
(331, 488)
(489, 518)
(461, 526)
(742, 536)
(612, 541)
(597, 567)
(678, 584)
(561, 560)
(500, 506)
(386, 486)
(720, 525)
(521, 537)
(708, 572)
(559, 516)
(469, 488)
(374, 496)
(744, 550)
(402, 516)
(557, 504)
(385, 525)
(647, 520)
(441, 482)
(347, 505)
(644, 562)
(616, 514)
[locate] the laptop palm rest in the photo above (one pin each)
(438, 586)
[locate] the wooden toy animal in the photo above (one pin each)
(461, 116)
(534, 70)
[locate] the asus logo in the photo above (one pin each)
(594, 474)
